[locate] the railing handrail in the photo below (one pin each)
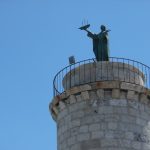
(56, 90)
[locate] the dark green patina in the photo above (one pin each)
(100, 42)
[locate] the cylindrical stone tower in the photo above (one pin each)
(103, 106)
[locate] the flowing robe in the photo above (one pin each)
(100, 45)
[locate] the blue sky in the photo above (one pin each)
(36, 39)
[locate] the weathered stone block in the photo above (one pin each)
(72, 140)
(115, 93)
(93, 95)
(146, 108)
(109, 143)
(145, 146)
(86, 120)
(123, 94)
(124, 143)
(142, 107)
(141, 122)
(85, 87)
(108, 94)
(75, 123)
(131, 95)
(97, 135)
(137, 145)
(144, 99)
(72, 99)
(94, 127)
(107, 85)
(109, 134)
(133, 104)
(64, 128)
(63, 145)
(81, 105)
(85, 95)
(76, 115)
(116, 102)
(133, 112)
(63, 95)
(73, 108)
(79, 98)
(77, 106)
(112, 117)
(83, 137)
(55, 109)
(83, 129)
(120, 110)
(129, 135)
(72, 91)
(67, 134)
(105, 110)
(74, 131)
(100, 93)
(75, 147)
(145, 115)
(112, 125)
(129, 86)
(128, 119)
(90, 144)
(104, 126)
(62, 105)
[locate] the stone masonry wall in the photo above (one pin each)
(109, 116)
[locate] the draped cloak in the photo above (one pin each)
(100, 45)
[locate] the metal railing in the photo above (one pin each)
(89, 71)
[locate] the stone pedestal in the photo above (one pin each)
(106, 114)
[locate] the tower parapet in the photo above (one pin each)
(102, 105)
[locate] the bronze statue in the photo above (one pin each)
(100, 43)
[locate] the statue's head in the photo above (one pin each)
(103, 28)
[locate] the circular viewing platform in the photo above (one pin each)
(90, 71)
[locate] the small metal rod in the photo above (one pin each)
(113, 68)
(84, 72)
(129, 69)
(145, 77)
(62, 79)
(101, 70)
(124, 71)
(134, 72)
(90, 70)
(57, 84)
(70, 75)
(107, 70)
(79, 71)
(138, 72)
(74, 74)
(94, 71)
(149, 77)
(142, 72)
(66, 78)
(54, 88)
(118, 69)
